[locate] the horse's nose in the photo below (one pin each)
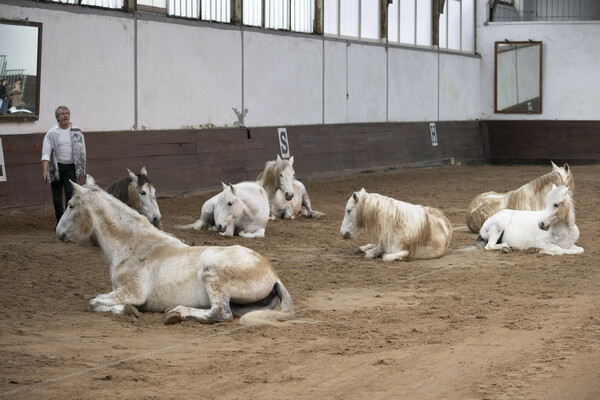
(221, 228)
(156, 221)
(543, 226)
(289, 195)
(60, 236)
(346, 235)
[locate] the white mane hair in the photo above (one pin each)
(391, 221)
(270, 177)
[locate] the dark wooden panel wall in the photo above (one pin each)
(539, 142)
(179, 161)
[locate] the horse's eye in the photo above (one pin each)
(230, 204)
(143, 192)
(556, 205)
(349, 211)
(70, 205)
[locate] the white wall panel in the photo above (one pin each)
(335, 83)
(87, 65)
(366, 83)
(413, 85)
(459, 93)
(283, 80)
(188, 76)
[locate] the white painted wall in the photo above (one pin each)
(570, 87)
(189, 83)
(198, 74)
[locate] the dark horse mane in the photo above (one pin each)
(120, 188)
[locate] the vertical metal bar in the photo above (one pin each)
(460, 35)
(447, 6)
(415, 21)
(359, 19)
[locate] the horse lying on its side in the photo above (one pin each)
(154, 271)
(528, 197)
(287, 196)
(403, 231)
(551, 230)
(137, 192)
(241, 209)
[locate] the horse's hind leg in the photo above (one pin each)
(398, 256)
(217, 313)
(374, 252)
(219, 310)
(367, 247)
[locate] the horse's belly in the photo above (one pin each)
(171, 288)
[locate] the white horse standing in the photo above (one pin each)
(527, 197)
(137, 192)
(404, 231)
(287, 196)
(153, 271)
(551, 230)
(241, 209)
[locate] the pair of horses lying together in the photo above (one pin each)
(540, 214)
(244, 209)
(154, 271)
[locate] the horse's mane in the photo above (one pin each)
(531, 195)
(120, 188)
(120, 208)
(388, 219)
(269, 178)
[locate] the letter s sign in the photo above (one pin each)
(284, 145)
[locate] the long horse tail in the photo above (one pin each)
(286, 310)
(197, 225)
(479, 244)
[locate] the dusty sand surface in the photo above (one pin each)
(470, 325)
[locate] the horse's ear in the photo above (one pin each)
(292, 160)
(78, 189)
(278, 157)
(89, 180)
(143, 171)
(223, 185)
(554, 167)
(566, 167)
(232, 189)
(355, 197)
(132, 175)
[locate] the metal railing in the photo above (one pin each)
(545, 10)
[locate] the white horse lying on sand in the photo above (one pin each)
(153, 271)
(551, 230)
(404, 231)
(528, 197)
(241, 209)
(287, 196)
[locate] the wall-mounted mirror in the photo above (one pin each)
(518, 78)
(20, 66)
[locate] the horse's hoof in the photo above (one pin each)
(172, 317)
(131, 310)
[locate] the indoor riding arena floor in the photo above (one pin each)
(470, 325)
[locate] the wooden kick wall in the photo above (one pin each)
(180, 161)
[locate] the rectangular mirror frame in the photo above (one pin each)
(528, 42)
(34, 116)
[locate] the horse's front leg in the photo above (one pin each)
(375, 251)
(119, 301)
(494, 235)
(258, 234)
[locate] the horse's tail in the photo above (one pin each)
(286, 311)
(194, 225)
(479, 244)
(316, 214)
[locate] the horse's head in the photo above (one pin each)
(228, 208)
(565, 175)
(286, 177)
(558, 207)
(349, 226)
(142, 196)
(76, 223)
